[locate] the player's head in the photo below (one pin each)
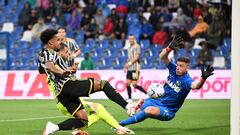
(61, 32)
(182, 65)
(50, 38)
(63, 51)
(131, 39)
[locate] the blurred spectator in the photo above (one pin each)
(87, 63)
(167, 16)
(215, 31)
(181, 17)
(160, 36)
(109, 28)
(91, 30)
(33, 3)
(114, 17)
(60, 18)
(67, 6)
(160, 3)
(23, 17)
(146, 30)
(90, 9)
(100, 19)
(187, 8)
(199, 28)
(74, 20)
(121, 29)
(173, 5)
(153, 19)
(85, 21)
(53, 24)
(32, 19)
(38, 28)
(47, 9)
(197, 11)
(204, 57)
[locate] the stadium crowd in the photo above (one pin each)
(101, 27)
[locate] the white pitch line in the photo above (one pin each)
(29, 119)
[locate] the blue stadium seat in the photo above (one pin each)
(147, 63)
(104, 44)
(145, 43)
(117, 44)
(90, 43)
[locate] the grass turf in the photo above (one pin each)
(196, 117)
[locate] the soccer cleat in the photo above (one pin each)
(139, 104)
(124, 130)
(131, 108)
(79, 132)
(50, 128)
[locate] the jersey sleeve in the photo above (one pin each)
(47, 56)
(188, 83)
(75, 45)
(172, 68)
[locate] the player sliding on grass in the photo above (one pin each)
(67, 88)
(95, 111)
(176, 88)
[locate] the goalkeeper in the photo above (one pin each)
(177, 86)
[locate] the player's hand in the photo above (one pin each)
(66, 73)
(208, 72)
(176, 43)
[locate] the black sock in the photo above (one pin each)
(113, 95)
(129, 91)
(70, 124)
(141, 89)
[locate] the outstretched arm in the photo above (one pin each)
(173, 45)
(205, 74)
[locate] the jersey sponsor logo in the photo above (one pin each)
(175, 86)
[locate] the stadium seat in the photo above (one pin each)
(104, 44)
(145, 43)
(117, 43)
(219, 62)
(27, 36)
(8, 27)
(90, 43)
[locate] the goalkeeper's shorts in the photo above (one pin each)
(165, 113)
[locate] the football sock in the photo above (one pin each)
(106, 117)
(112, 94)
(141, 89)
(129, 91)
(92, 119)
(70, 124)
(134, 119)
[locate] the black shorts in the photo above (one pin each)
(133, 75)
(72, 90)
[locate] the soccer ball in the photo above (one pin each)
(155, 90)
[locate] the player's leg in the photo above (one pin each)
(112, 94)
(128, 84)
(135, 76)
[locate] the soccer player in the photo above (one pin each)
(133, 66)
(95, 111)
(67, 88)
(178, 85)
(71, 44)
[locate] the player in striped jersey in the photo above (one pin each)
(95, 111)
(133, 66)
(67, 88)
(71, 44)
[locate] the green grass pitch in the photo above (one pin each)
(196, 117)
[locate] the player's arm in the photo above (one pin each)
(74, 67)
(76, 48)
(173, 45)
(55, 69)
(76, 53)
(205, 74)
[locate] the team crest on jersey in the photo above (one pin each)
(178, 83)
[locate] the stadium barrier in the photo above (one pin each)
(31, 85)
